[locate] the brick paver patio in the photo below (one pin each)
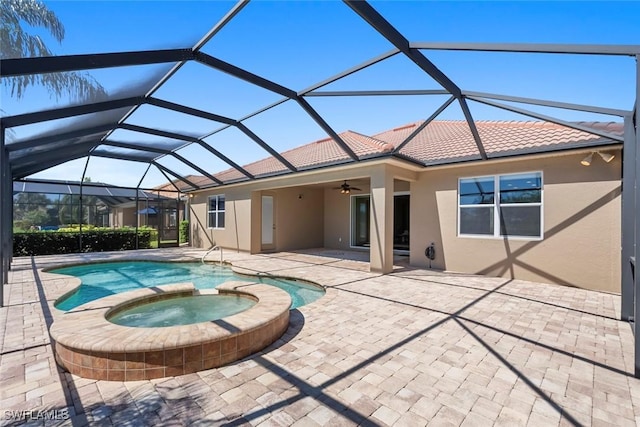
(407, 349)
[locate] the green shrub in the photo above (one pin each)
(49, 243)
(153, 234)
(21, 225)
(184, 231)
(75, 228)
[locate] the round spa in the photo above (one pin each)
(162, 338)
(180, 310)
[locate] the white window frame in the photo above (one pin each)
(216, 211)
(496, 207)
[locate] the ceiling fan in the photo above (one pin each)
(346, 188)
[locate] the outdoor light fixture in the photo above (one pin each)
(607, 157)
(587, 160)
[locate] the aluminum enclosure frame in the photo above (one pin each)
(417, 52)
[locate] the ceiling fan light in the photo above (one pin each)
(345, 188)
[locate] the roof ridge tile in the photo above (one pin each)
(373, 142)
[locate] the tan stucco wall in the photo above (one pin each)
(581, 216)
(115, 218)
(129, 217)
(381, 220)
(299, 221)
(337, 218)
(236, 233)
(122, 217)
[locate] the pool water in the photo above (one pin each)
(104, 279)
(182, 311)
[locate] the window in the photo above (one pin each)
(512, 201)
(216, 211)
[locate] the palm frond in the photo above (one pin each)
(15, 42)
(79, 86)
(33, 12)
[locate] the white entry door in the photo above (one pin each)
(268, 223)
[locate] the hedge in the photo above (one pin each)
(184, 231)
(54, 242)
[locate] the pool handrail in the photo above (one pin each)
(211, 250)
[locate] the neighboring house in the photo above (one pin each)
(103, 205)
(173, 204)
(532, 211)
(55, 203)
(161, 208)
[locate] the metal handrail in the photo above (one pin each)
(211, 250)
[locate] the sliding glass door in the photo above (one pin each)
(401, 222)
(361, 214)
(361, 221)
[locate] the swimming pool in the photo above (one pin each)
(104, 279)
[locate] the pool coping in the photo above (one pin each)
(103, 350)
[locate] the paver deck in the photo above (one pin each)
(411, 348)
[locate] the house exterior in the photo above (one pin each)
(532, 211)
(161, 208)
(103, 205)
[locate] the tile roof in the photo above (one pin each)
(321, 152)
(440, 141)
(446, 140)
(169, 190)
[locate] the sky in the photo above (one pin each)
(297, 44)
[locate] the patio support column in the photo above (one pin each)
(81, 215)
(6, 212)
(636, 234)
(6, 215)
(137, 213)
(628, 218)
(9, 226)
(3, 230)
(256, 223)
(381, 224)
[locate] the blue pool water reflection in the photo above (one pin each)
(103, 279)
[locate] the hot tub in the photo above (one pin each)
(184, 310)
(88, 345)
